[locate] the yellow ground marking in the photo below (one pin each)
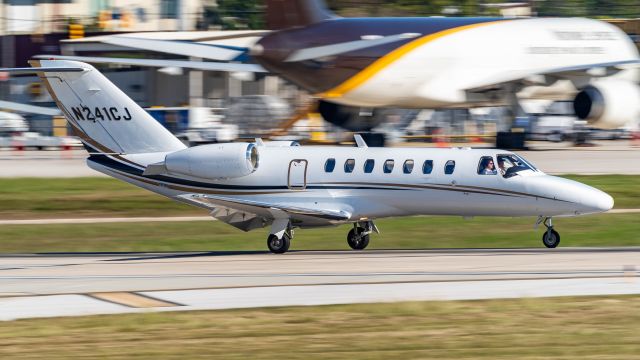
(390, 58)
(131, 299)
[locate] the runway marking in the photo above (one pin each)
(132, 299)
(172, 219)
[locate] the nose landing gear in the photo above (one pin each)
(358, 237)
(550, 238)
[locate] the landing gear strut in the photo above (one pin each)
(280, 238)
(358, 237)
(550, 238)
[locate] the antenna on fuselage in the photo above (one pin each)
(360, 141)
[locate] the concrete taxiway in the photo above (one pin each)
(80, 284)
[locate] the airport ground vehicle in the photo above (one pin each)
(36, 141)
(11, 123)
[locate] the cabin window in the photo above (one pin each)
(368, 166)
(329, 165)
(449, 166)
(388, 166)
(427, 167)
(407, 168)
(349, 165)
(486, 166)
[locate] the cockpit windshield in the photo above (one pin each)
(511, 164)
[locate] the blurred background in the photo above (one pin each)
(205, 106)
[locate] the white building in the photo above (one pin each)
(36, 16)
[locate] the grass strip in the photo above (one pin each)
(32, 198)
(559, 328)
(397, 233)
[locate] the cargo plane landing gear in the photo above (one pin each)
(280, 237)
(550, 238)
(358, 237)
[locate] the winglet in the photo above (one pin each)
(360, 141)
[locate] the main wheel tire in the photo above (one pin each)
(277, 245)
(357, 242)
(551, 239)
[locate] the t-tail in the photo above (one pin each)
(283, 14)
(105, 119)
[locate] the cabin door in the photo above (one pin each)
(298, 174)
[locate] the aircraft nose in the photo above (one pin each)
(599, 201)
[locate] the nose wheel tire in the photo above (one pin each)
(551, 238)
(357, 241)
(278, 245)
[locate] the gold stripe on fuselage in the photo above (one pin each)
(388, 59)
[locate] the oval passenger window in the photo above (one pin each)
(449, 167)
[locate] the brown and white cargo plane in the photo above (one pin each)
(430, 62)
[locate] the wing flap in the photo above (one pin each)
(267, 210)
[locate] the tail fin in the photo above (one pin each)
(282, 14)
(101, 115)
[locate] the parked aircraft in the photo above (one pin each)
(358, 65)
(253, 185)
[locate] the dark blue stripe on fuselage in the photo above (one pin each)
(106, 161)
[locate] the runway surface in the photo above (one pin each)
(80, 284)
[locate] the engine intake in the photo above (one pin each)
(608, 104)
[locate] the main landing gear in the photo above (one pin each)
(358, 237)
(281, 234)
(280, 237)
(550, 238)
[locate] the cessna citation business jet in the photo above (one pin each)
(253, 185)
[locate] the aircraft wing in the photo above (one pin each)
(339, 48)
(550, 75)
(250, 214)
(196, 65)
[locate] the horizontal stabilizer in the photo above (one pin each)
(30, 70)
(204, 51)
(196, 65)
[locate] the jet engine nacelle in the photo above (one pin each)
(350, 117)
(212, 161)
(608, 104)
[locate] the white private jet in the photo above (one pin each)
(253, 185)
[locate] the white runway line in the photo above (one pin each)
(277, 296)
(14, 308)
(370, 293)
